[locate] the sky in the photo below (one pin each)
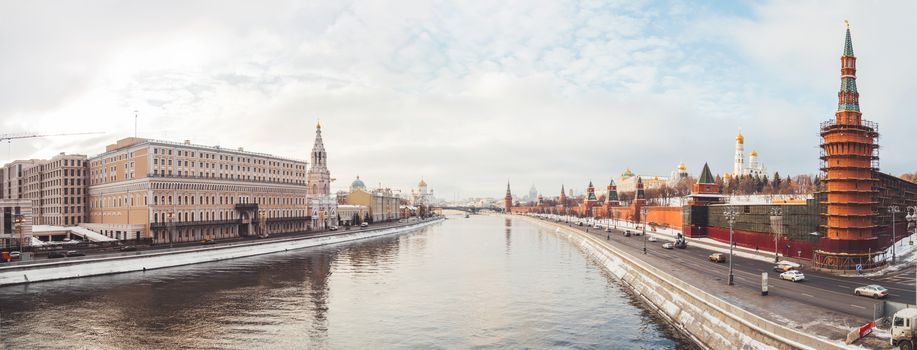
(464, 94)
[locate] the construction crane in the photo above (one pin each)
(28, 135)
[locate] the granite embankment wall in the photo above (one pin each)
(53, 270)
(710, 321)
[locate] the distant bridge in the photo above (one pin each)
(472, 210)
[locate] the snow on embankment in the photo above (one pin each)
(711, 322)
(140, 261)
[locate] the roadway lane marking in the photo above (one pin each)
(808, 295)
(858, 306)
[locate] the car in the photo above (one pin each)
(717, 257)
(364, 224)
(333, 228)
(75, 253)
(608, 229)
(15, 255)
(55, 255)
(626, 233)
(128, 248)
(792, 275)
(579, 223)
(636, 233)
(668, 246)
(785, 266)
(651, 238)
(872, 290)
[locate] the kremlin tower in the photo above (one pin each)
(611, 197)
(738, 166)
(508, 200)
(590, 201)
(849, 156)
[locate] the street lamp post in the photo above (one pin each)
(730, 214)
(912, 222)
(777, 212)
(18, 226)
(893, 209)
(171, 228)
(644, 229)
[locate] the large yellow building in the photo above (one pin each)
(175, 192)
(382, 203)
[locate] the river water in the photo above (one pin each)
(484, 282)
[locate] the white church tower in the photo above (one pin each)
(738, 168)
(322, 207)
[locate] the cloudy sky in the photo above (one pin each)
(465, 94)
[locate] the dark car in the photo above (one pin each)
(128, 248)
(208, 241)
(55, 255)
(626, 233)
(75, 253)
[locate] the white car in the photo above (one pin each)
(651, 238)
(792, 275)
(872, 290)
(668, 246)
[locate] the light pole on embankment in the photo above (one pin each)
(893, 209)
(776, 214)
(730, 214)
(643, 209)
(912, 222)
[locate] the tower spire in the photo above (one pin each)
(848, 98)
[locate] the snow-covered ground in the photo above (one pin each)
(766, 198)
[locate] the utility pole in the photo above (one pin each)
(644, 229)
(776, 213)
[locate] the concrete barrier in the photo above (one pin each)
(710, 321)
(53, 270)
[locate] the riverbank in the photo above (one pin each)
(142, 261)
(712, 322)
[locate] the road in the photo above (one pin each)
(819, 289)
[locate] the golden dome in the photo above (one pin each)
(682, 167)
(727, 176)
(754, 153)
(740, 138)
(422, 183)
(318, 124)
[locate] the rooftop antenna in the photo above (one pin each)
(135, 123)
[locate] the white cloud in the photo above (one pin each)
(465, 94)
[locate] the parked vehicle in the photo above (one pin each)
(785, 266)
(75, 253)
(15, 255)
(872, 290)
(56, 254)
(580, 223)
(717, 257)
(651, 238)
(208, 241)
(792, 275)
(364, 224)
(128, 248)
(626, 233)
(904, 324)
(333, 228)
(668, 246)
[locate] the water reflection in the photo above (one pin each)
(449, 286)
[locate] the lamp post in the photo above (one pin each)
(893, 209)
(643, 209)
(18, 219)
(776, 213)
(171, 228)
(912, 222)
(730, 214)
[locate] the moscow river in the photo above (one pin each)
(482, 282)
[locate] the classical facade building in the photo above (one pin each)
(177, 192)
(14, 234)
(382, 203)
(422, 196)
(322, 205)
